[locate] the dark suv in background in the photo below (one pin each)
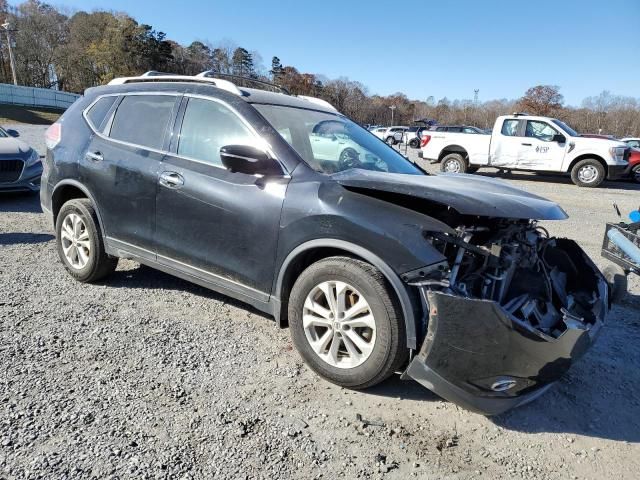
(374, 265)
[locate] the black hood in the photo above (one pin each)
(467, 194)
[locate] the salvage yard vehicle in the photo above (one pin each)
(374, 265)
(530, 143)
(20, 166)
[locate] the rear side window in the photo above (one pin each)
(209, 126)
(510, 128)
(99, 110)
(143, 119)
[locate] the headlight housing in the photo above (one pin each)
(33, 159)
(618, 153)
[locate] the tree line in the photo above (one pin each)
(74, 51)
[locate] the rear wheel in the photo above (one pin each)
(588, 173)
(390, 141)
(454, 163)
(414, 143)
(79, 242)
(345, 322)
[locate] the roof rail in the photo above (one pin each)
(518, 114)
(318, 101)
(153, 76)
(213, 74)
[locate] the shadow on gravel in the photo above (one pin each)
(150, 278)
(24, 238)
(554, 178)
(402, 389)
(20, 202)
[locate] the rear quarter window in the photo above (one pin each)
(98, 111)
(143, 120)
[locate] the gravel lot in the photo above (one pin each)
(147, 376)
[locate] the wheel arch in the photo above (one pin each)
(588, 156)
(314, 250)
(66, 190)
(453, 149)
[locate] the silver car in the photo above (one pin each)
(20, 165)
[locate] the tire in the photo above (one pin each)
(390, 141)
(414, 143)
(90, 262)
(454, 163)
(348, 153)
(588, 173)
(617, 279)
(382, 343)
(635, 174)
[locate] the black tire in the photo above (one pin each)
(454, 163)
(593, 167)
(635, 174)
(390, 348)
(390, 141)
(617, 279)
(99, 264)
(414, 143)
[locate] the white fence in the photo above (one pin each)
(35, 97)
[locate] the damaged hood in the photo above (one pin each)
(467, 194)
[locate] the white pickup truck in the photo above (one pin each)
(525, 142)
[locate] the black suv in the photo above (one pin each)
(282, 202)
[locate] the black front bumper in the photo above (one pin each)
(616, 172)
(480, 357)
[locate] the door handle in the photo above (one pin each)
(171, 180)
(94, 156)
(526, 144)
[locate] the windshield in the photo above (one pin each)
(330, 143)
(566, 128)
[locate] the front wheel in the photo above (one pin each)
(635, 174)
(390, 141)
(588, 173)
(345, 322)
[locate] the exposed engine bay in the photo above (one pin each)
(538, 280)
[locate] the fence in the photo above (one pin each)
(36, 97)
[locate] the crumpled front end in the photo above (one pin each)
(508, 317)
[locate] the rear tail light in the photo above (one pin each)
(53, 135)
(425, 139)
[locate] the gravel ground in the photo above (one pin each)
(147, 376)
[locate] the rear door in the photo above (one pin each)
(211, 223)
(121, 167)
(538, 150)
(505, 145)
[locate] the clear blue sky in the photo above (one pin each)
(440, 48)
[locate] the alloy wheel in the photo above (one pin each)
(76, 244)
(339, 324)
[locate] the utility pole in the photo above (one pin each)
(11, 62)
(392, 107)
(475, 96)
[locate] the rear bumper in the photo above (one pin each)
(479, 356)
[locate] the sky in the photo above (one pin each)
(421, 48)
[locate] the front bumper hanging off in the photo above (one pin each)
(480, 357)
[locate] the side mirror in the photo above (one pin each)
(249, 160)
(558, 138)
(13, 133)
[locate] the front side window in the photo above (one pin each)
(540, 130)
(510, 128)
(143, 120)
(634, 143)
(209, 126)
(331, 143)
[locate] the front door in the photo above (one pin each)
(121, 167)
(211, 223)
(538, 150)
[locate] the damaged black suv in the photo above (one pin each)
(282, 202)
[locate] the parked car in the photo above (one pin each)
(373, 264)
(632, 142)
(389, 134)
(459, 129)
(20, 166)
(634, 165)
(525, 142)
(413, 135)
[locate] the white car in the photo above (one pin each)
(531, 143)
(633, 142)
(388, 134)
